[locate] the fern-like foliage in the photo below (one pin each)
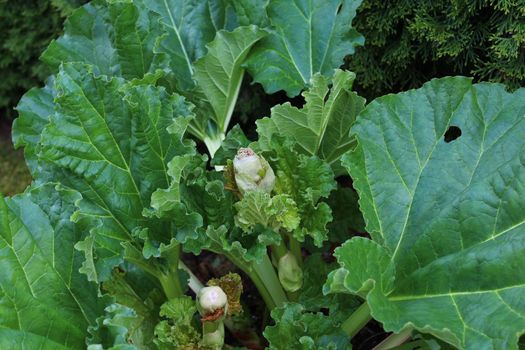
(409, 42)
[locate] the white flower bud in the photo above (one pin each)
(210, 299)
(290, 273)
(252, 172)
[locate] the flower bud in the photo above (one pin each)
(290, 273)
(211, 299)
(252, 172)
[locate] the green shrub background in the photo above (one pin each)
(27, 28)
(409, 42)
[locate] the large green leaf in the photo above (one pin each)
(447, 213)
(109, 140)
(219, 75)
(189, 25)
(117, 37)
(44, 302)
(178, 42)
(251, 12)
(322, 126)
(34, 110)
(337, 306)
(133, 38)
(307, 37)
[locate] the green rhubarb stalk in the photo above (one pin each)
(265, 279)
(357, 320)
(213, 334)
(194, 283)
(295, 248)
(279, 250)
(212, 304)
(170, 286)
(394, 340)
(270, 282)
(169, 277)
(213, 143)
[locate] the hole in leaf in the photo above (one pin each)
(452, 133)
(339, 8)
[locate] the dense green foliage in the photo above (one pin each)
(136, 166)
(27, 28)
(409, 42)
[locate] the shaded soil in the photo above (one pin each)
(14, 175)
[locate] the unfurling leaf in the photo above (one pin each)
(322, 126)
(252, 172)
(177, 331)
(259, 209)
(305, 180)
(290, 273)
(297, 329)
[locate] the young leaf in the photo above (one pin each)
(259, 209)
(240, 249)
(118, 329)
(440, 173)
(219, 74)
(44, 302)
(322, 126)
(307, 37)
(197, 197)
(141, 297)
(306, 180)
(177, 332)
(296, 329)
(311, 294)
(235, 139)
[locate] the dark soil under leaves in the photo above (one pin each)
(14, 175)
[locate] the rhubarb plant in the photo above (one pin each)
(138, 169)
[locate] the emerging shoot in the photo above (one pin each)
(252, 172)
(212, 304)
(290, 273)
(211, 300)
